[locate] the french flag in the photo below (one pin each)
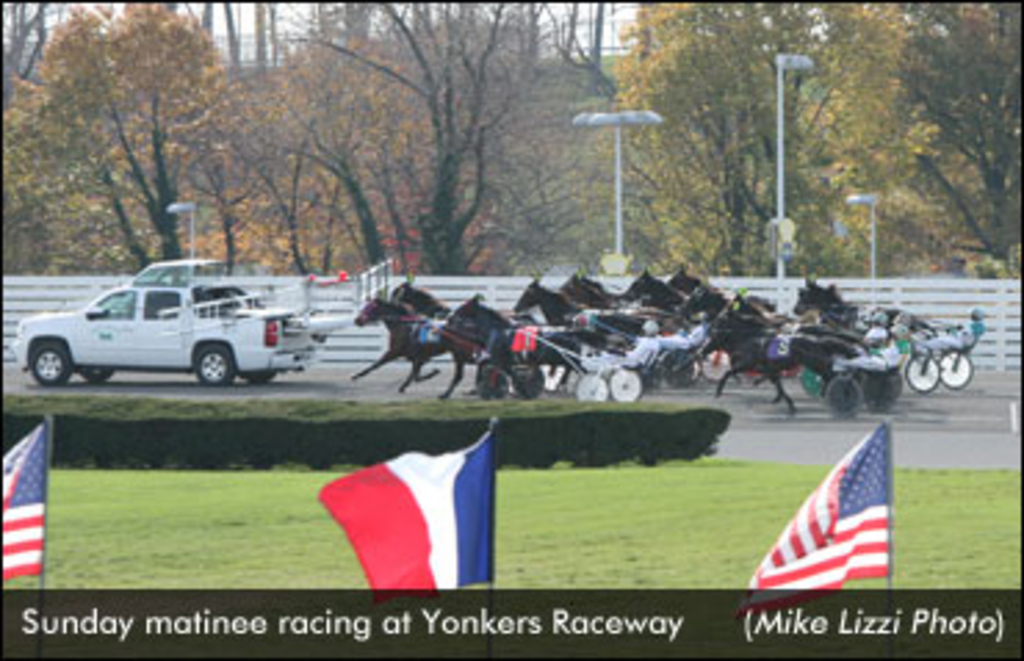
(420, 523)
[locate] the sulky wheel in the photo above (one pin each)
(923, 374)
(956, 370)
(844, 396)
(716, 366)
(592, 388)
(528, 381)
(681, 371)
(626, 386)
(491, 382)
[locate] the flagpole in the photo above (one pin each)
(49, 426)
(494, 425)
(890, 524)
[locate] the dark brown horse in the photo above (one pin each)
(420, 300)
(416, 339)
(590, 294)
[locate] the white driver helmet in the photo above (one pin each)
(901, 331)
(880, 318)
(651, 328)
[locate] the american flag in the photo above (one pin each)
(25, 475)
(841, 532)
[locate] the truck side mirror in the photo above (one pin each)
(95, 314)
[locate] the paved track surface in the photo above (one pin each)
(946, 430)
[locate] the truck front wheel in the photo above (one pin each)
(51, 364)
(215, 366)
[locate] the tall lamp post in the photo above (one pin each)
(618, 120)
(179, 208)
(783, 62)
(869, 200)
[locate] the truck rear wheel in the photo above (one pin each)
(215, 366)
(51, 364)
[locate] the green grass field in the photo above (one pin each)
(699, 525)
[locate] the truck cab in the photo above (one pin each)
(176, 316)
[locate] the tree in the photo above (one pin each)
(963, 79)
(567, 19)
(120, 95)
(25, 35)
(449, 60)
(708, 174)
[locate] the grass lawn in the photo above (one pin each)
(699, 525)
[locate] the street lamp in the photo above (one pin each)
(869, 200)
(782, 63)
(618, 120)
(179, 208)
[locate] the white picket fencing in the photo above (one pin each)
(941, 299)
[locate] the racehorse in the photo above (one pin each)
(412, 337)
(829, 302)
(555, 306)
(754, 347)
(711, 303)
(683, 282)
(553, 349)
(420, 300)
(652, 292)
(589, 294)
(601, 330)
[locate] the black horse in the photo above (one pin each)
(555, 306)
(652, 292)
(828, 302)
(754, 347)
(412, 337)
(683, 282)
(710, 302)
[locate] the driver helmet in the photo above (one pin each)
(900, 331)
(880, 318)
(977, 314)
(651, 328)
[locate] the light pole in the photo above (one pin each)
(618, 120)
(870, 200)
(782, 63)
(179, 208)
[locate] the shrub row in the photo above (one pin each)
(156, 433)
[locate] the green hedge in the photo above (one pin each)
(104, 432)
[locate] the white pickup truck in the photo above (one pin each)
(175, 317)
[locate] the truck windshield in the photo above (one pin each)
(179, 276)
(210, 273)
(163, 276)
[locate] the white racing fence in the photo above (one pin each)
(945, 300)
